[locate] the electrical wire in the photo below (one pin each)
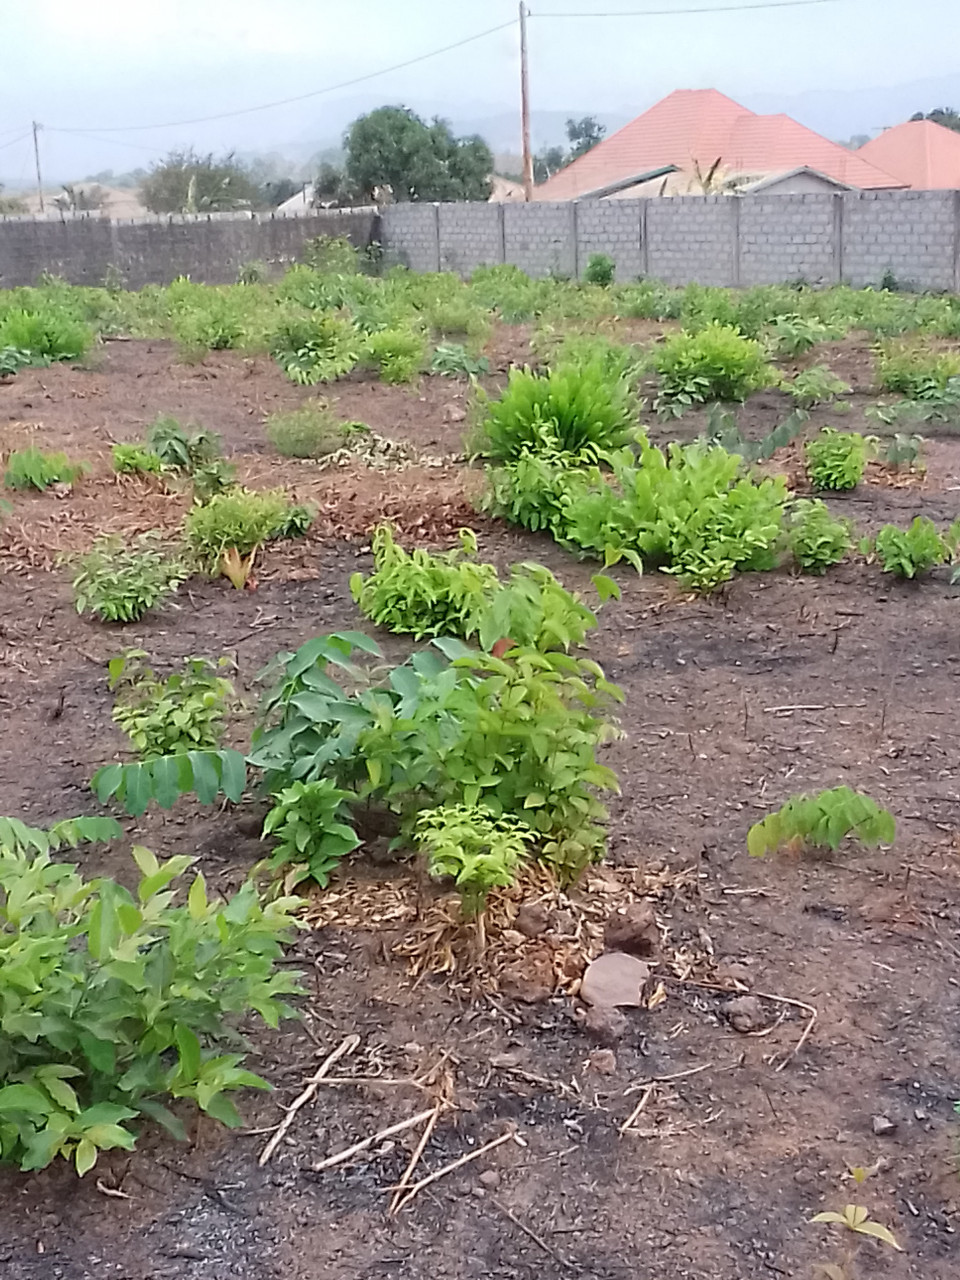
(301, 97)
(15, 140)
(669, 13)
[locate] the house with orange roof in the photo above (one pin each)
(693, 135)
(922, 154)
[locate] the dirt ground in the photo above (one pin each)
(776, 685)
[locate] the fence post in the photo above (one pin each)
(956, 242)
(735, 202)
(436, 234)
(575, 236)
(502, 230)
(644, 243)
(838, 237)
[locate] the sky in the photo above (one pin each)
(91, 71)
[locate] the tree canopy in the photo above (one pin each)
(187, 182)
(394, 148)
(583, 135)
(947, 116)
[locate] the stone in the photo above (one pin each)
(883, 1126)
(603, 1061)
(530, 977)
(615, 979)
(633, 930)
(746, 1014)
(533, 918)
(729, 973)
(490, 1178)
(605, 1025)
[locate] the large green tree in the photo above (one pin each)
(583, 135)
(186, 182)
(947, 116)
(393, 148)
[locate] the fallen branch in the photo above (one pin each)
(346, 1046)
(390, 1132)
(635, 1113)
(455, 1164)
(538, 1240)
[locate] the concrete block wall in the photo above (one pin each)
(210, 249)
(471, 236)
(692, 239)
(540, 237)
(410, 236)
(912, 234)
(789, 238)
(614, 227)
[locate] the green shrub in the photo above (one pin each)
(794, 335)
(424, 595)
(717, 363)
(816, 385)
(573, 409)
(334, 255)
(253, 272)
(217, 325)
(908, 552)
(478, 851)
(31, 468)
(114, 1003)
(311, 827)
(312, 431)
(164, 717)
(915, 370)
(564, 348)
(601, 269)
(45, 335)
(836, 459)
(480, 731)
(167, 439)
(119, 581)
(12, 360)
(822, 822)
(238, 520)
(315, 348)
(451, 360)
(213, 477)
(458, 318)
(135, 459)
(399, 354)
(816, 540)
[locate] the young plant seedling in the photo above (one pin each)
(836, 459)
(822, 822)
(906, 553)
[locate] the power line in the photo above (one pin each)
(669, 13)
(113, 142)
(301, 97)
(16, 140)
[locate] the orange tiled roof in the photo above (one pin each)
(700, 125)
(921, 153)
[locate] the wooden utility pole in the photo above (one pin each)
(525, 107)
(36, 156)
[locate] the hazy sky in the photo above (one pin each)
(98, 65)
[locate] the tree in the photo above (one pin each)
(583, 135)
(947, 116)
(332, 189)
(393, 149)
(186, 182)
(548, 162)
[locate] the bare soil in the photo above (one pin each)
(776, 685)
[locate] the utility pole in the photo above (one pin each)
(524, 107)
(36, 156)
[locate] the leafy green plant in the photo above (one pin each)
(216, 325)
(452, 360)
(31, 468)
(114, 1002)
(211, 478)
(45, 335)
(822, 822)
(905, 451)
(908, 552)
(165, 779)
(399, 354)
(135, 459)
(572, 409)
(915, 370)
(256, 271)
(816, 540)
(17, 837)
(423, 595)
(312, 431)
(167, 439)
(794, 335)
(478, 851)
(163, 717)
(836, 459)
(459, 318)
(601, 269)
(12, 360)
(816, 385)
(717, 363)
(315, 348)
(118, 582)
(311, 827)
(227, 530)
(334, 255)
(856, 1221)
(516, 734)
(722, 430)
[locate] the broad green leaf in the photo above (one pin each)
(222, 1108)
(197, 897)
(24, 1097)
(145, 860)
(85, 1156)
(879, 1232)
(206, 775)
(233, 779)
(190, 1053)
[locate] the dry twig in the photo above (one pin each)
(527, 1231)
(391, 1131)
(414, 1160)
(346, 1046)
(455, 1164)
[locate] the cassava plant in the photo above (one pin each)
(906, 553)
(225, 533)
(184, 712)
(836, 459)
(310, 825)
(815, 539)
(118, 582)
(716, 363)
(822, 821)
